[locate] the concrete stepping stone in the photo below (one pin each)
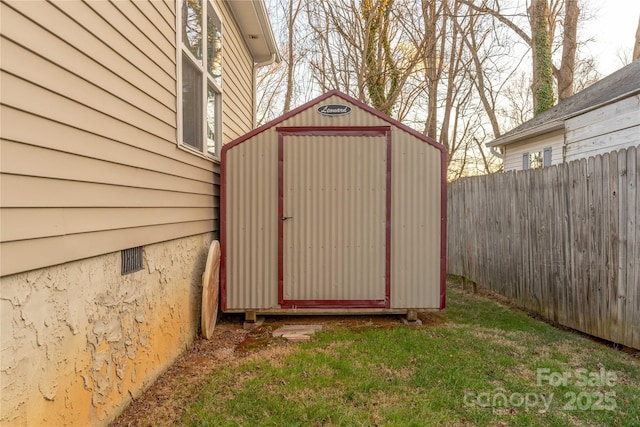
(297, 333)
(296, 337)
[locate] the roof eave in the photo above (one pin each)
(557, 123)
(529, 133)
(253, 21)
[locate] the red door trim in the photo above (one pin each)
(223, 239)
(333, 131)
(388, 225)
(280, 215)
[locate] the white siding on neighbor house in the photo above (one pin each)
(605, 129)
(554, 140)
(88, 114)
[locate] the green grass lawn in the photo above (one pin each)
(479, 363)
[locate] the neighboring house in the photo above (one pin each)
(603, 117)
(112, 118)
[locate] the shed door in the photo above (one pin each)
(334, 212)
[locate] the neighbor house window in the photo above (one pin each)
(200, 77)
(537, 159)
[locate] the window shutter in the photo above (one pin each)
(525, 161)
(546, 157)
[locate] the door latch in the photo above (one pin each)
(284, 218)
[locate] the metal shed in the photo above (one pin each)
(333, 208)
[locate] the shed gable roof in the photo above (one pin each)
(620, 84)
(347, 98)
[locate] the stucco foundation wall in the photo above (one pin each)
(79, 340)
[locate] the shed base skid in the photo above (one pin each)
(331, 311)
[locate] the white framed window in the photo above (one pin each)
(537, 159)
(199, 75)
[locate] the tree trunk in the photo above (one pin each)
(431, 67)
(293, 14)
(636, 47)
(542, 86)
(569, 46)
(381, 70)
(485, 95)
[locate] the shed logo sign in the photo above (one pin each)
(334, 110)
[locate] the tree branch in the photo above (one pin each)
(500, 18)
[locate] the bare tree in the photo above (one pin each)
(449, 68)
(292, 16)
(282, 85)
(542, 84)
(636, 46)
(381, 68)
(432, 62)
(543, 18)
(361, 48)
(269, 94)
(565, 74)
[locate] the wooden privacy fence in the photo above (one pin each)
(563, 241)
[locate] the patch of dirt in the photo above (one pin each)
(163, 403)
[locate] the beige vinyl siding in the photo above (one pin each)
(90, 163)
(609, 128)
(142, 152)
(51, 34)
(555, 140)
(163, 8)
(41, 162)
(61, 249)
(237, 101)
(52, 222)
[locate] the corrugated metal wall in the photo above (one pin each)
(251, 243)
(415, 222)
(334, 244)
(325, 268)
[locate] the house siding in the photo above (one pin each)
(238, 99)
(89, 126)
(555, 140)
(90, 166)
(80, 341)
(609, 128)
